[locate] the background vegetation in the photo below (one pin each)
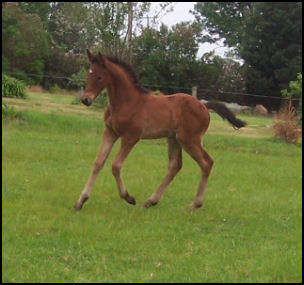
(12, 87)
(44, 43)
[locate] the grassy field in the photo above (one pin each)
(249, 230)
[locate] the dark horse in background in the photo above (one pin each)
(134, 113)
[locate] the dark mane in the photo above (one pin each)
(130, 71)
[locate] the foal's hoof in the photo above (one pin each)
(148, 203)
(78, 205)
(194, 206)
(130, 199)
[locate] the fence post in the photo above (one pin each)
(194, 91)
(80, 92)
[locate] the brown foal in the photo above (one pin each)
(134, 113)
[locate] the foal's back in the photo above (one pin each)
(164, 116)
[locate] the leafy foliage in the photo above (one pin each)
(167, 57)
(11, 87)
(62, 66)
(295, 91)
(272, 48)
(78, 79)
(266, 35)
(9, 112)
(219, 74)
(286, 124)
(69, 26)
(223, 20)
(44, 43)
(25, 43)
(42, 9)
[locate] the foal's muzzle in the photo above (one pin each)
(86, 101)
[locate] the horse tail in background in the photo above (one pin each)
(221, 109)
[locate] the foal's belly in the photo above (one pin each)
(157, 134)
(160, 118)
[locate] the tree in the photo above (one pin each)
(267, 35)
(114, 24)
(167, 60)
(223, 20)
(70, 26)
(42, 9)
(221, 77)
(167, 57)
(25, 43)
(272, 49)
(62, 66)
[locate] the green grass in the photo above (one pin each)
(249, 230)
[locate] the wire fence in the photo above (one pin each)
(44, 76)
(206, 94)
(246, 99)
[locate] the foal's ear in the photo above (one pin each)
(90, 56)
(102, 60)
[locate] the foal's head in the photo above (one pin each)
(98, 78)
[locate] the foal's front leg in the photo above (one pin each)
(108, 140)
(126, 146)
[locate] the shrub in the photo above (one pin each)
(78, 79)
(101, 100)
(76, 101)
(55, 89)
(22, 76)
(6, 110)
(286, 124)
(12, 87)
(10, 112)
(295, 90)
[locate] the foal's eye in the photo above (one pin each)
(99, 77)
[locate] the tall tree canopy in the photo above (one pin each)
(25, 43)
(266, 35)
(167, 57)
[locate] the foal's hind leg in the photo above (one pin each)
(175, 164)
(204, 160)
(108, 140)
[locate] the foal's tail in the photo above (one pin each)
(226, 113)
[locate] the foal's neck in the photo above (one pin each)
(121, 90)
